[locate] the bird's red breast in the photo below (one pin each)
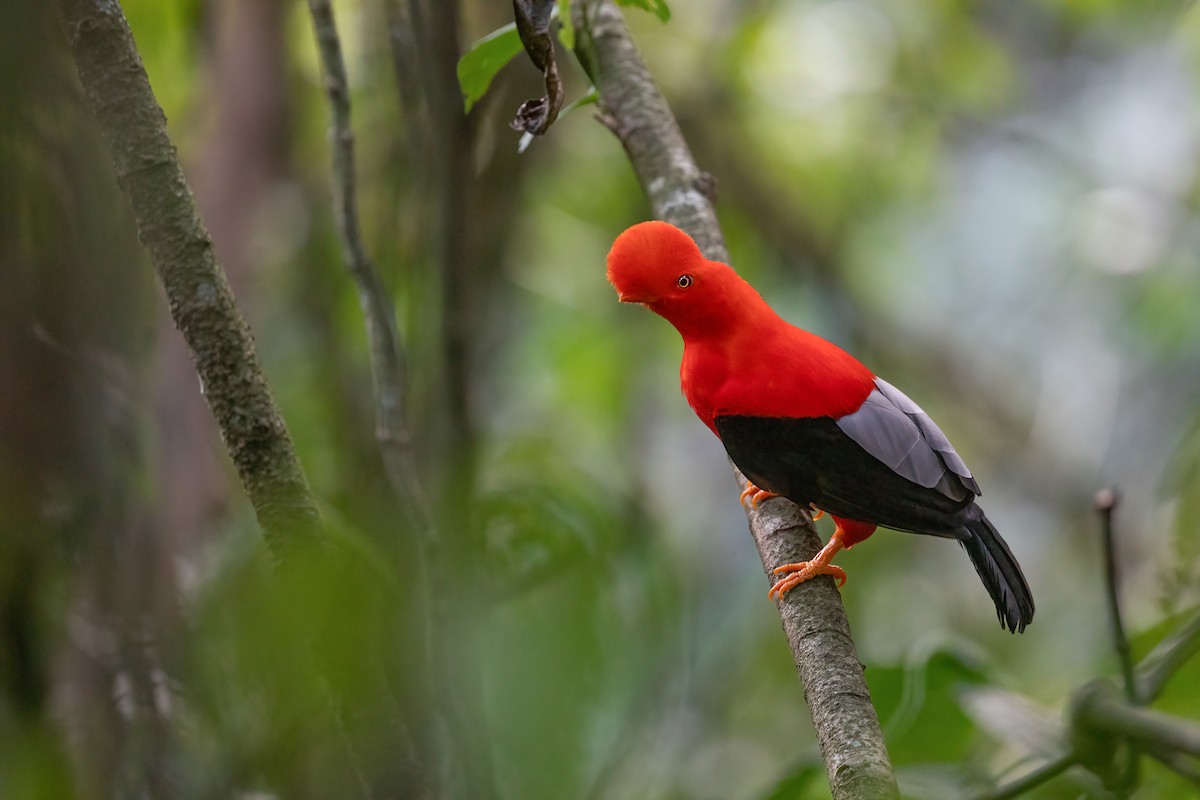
(775, 370)
(739, 356)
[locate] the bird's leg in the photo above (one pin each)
(755, 494)
(819, 565)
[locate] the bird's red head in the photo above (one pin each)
(660, 266)
(652, 261)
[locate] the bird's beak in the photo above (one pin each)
(626, 297)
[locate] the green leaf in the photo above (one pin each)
(919, 703)
(479, 65)
(657, 7)
(566, 31)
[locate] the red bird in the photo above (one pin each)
(804, 419)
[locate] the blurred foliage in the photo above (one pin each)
(657, 7)
(993, 204)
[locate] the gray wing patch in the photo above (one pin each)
(896, 431)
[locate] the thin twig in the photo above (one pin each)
(1044, 773)
(386, 355)
(1158, 735)
(847, 726)
(424, 39)
(1106, 504)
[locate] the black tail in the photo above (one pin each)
(999, 572)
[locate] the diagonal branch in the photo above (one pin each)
(203, 307)
(1044, 773)
(1152, 728)
(181, 250)
(847, 726)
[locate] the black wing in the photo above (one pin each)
(886, 463)
(812, 460)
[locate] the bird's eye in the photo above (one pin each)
(684, 281)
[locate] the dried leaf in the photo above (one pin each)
(533, 25)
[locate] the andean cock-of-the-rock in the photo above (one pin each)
(802, 418)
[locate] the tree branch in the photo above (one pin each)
(203, 308)
(198, 293)
(1152, 728)
(1098, 722)
(813, 618)
(835, 688)
(1044, 773)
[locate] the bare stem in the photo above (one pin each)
(1044, 773)
(387, 360)
(1106, 504)
(387, 357)
(631, 106)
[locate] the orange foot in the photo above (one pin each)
(803, 570)
(755, 494)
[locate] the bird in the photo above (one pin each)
(803, 419)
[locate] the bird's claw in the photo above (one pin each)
(816, 513)
(800, 572)
(755, 494)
